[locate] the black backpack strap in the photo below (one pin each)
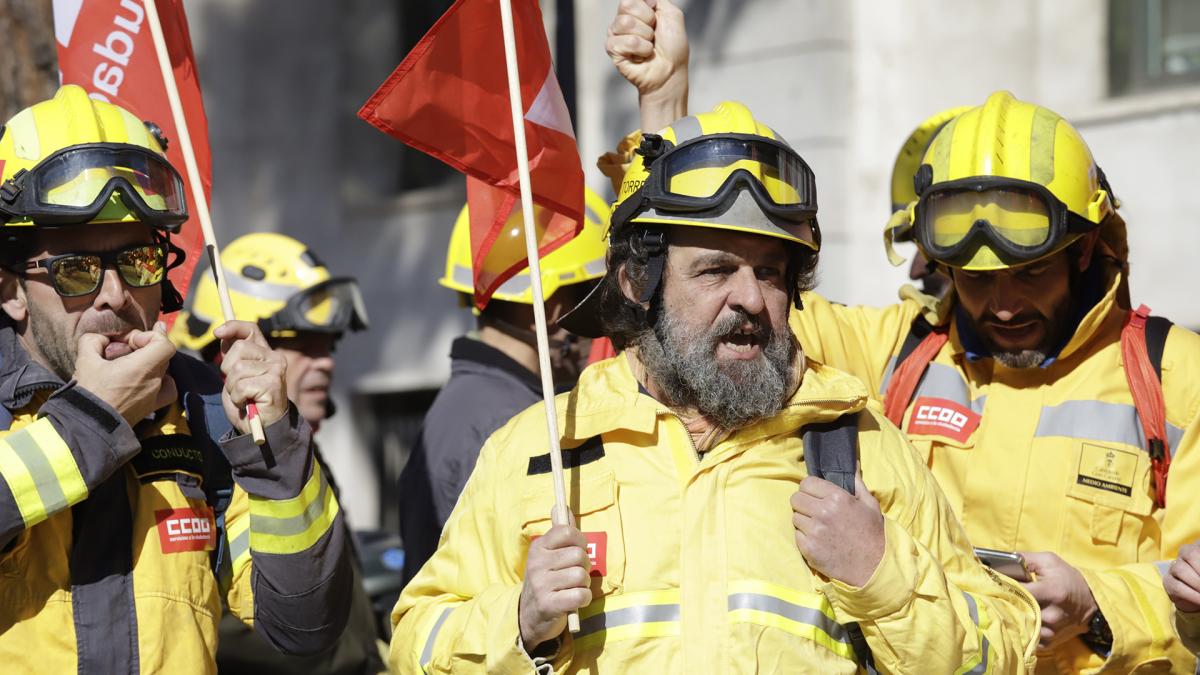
(200, 390)
(1157, 328)
(917, 332)
(831, 452)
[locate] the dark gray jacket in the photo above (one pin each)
(485, 390)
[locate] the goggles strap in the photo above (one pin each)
(172, 299)
(655, 243)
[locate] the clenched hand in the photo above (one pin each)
(840, 534)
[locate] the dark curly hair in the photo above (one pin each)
(623, 320)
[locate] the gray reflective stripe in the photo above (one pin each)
(744, 211)
(686, 128)
(595, 267)
(1099, 421)
(40, 470)
(239, 545)
(264, 290)
(590, 214)
(286, 527)
(516, 285)
(628, 616)
(427, 652)
(805, 615)
(462, 275)
(982, 667)
(939, 381)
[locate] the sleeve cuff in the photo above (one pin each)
(72, 408)
(281, 467)
(890, 587)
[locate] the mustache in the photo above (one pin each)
(110, 323)
(730, 325)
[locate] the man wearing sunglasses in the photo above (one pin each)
(279, 284)
(700, 542)
(122, 523)
(1060, 423)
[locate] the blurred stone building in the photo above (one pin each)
(844, 81)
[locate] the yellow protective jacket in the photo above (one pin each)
(107, 536)
(1056, 461)
(697, 569)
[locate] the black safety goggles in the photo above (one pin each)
(702, 177)
(332, 306)
(75, 184)
(1019, 220)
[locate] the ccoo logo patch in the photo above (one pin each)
(186, 529)
(940, 417)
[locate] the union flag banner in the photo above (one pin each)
(449, 99)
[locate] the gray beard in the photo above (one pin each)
(1026, 358)
(730, 395)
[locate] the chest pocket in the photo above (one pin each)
(594, 501)
(1109, 497)
(172, 457)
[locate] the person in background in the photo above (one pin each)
(280, 285)
(494, 372)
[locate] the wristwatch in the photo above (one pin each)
(1099, 636)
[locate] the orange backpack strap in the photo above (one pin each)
(920, 347)
(1142, 342)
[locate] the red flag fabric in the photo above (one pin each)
(449, 99)
(105, 47)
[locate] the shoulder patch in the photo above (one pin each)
(585, 453)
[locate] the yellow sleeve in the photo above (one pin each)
(930, 606)
(858, 340)
(459, 614)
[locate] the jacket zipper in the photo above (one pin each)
(688, 434)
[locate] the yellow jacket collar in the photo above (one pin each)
(607, 398)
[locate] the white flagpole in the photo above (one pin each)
(198, 199)
(559, 515)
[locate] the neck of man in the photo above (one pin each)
(511, 346)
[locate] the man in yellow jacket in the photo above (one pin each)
(132, 497)
(701, 543)
(1025, 413)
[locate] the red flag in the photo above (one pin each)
(105, 47)
(449, 98)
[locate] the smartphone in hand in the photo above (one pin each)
(1005, 562)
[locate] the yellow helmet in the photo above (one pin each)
(1004, 184)
(579, 260)
(724, 170)
(908, 160)
(276, 282)
(73, 160)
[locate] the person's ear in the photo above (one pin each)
(626, 285)
(12, 296)
(1087, 247)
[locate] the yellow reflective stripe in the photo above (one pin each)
(981, 663)
(293, 525)
(1158, 636)
(40, 471)
(623, 617)
(238, 535)
(806, 615)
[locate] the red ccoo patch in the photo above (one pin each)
(940, 417)
(186, 529)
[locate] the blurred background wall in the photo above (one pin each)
(844, 81)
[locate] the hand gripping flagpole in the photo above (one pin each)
(198, 199)
(559, 515)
